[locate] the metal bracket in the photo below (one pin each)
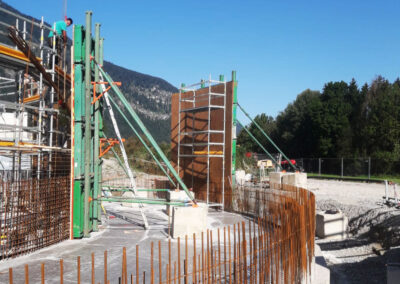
(110, 141)
(96, 98)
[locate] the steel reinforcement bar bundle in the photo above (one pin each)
(274, 247)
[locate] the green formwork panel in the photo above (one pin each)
(79, 147)
(79, 52)
(78, 212)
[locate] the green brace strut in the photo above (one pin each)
(145, 131)
(269, 139)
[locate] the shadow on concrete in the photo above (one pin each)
(369, 270)
(348, 243)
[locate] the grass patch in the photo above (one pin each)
(396, 179)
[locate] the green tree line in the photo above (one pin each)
(344, 120)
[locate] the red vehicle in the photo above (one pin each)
(287, 167)
(287, 163)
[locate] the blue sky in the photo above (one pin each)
(279, 48)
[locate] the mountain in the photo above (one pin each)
(149, 96)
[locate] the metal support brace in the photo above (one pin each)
(259, 144)
(269, 139)
(141, 140)
(125, 157)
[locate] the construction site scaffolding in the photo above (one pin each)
(202, 103)
(29, 110)
(34, 140)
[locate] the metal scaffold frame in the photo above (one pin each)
(195, 99)
(34, 111)
(34, 140)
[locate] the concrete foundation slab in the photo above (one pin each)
(331, 225)
(189, 220)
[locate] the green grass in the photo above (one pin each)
(396, 179)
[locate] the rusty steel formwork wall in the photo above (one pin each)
(193, 171)
(34, 205)
(274, 247)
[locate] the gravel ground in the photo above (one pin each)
(373, 239)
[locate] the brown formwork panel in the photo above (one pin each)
(198, 165)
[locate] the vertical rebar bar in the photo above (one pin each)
(79, 269)
(124, 268)
(105, 267)
(26, 274)
(42, 272)
(93, 276)
(137, 263)
(61, 271)
(185, 264)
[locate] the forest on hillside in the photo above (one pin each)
(344, 120)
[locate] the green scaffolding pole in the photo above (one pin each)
(96, 212)
(259, 144)
(145, 131)
(88, 81)
(141, 140)
(234, 138)
(105, 188)
(265, 134)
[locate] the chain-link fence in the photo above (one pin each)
(350, 167)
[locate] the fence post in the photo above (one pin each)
(319, 166)
(369, 167)
(341, 168)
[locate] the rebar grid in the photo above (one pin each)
(34, 207)
(276, 247)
